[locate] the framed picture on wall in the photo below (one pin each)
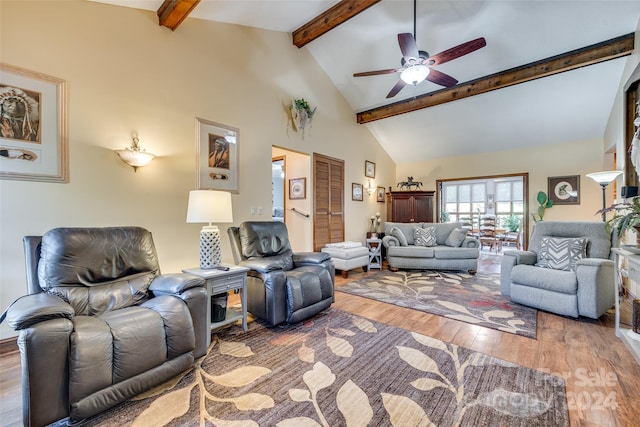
(369, 169)
(564, 190)
(297, 188)
(356, 192)
(380, 194)
(217, 153)
(34, 129)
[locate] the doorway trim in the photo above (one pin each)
(525, 196)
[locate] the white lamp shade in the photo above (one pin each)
(604, 177)
(209, 206)
(415, 74)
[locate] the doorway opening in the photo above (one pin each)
(502, 196)
(292, 169)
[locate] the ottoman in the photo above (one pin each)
(348, 255)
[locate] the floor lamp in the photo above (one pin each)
(209, 206)
(604, 179)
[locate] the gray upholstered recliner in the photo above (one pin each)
(282, 286)
(586, 290)
(100, 324)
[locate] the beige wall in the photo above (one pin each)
(577, 158)
(124, 74)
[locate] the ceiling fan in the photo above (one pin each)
(416, 64)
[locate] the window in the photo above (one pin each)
(509, 203)
(464, 200)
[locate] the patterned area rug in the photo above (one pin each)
(470, 298)
(343, 370)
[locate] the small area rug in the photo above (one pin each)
(339, 369)
(470, 298)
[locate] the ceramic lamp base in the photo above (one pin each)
(210, 247)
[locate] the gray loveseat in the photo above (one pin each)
(567, 269)
(453, 250)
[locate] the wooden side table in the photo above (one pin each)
(220, 281)
(375, 253)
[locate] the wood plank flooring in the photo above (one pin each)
(603, 379)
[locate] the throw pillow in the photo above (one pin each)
(425, 236)
(561, 253)
(398, 234)
(456, 237)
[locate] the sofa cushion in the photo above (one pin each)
(447, 252)
(425, 236)
(398, 234)
(561, 253)
(411, 251)
(456, 237)
(560, 281)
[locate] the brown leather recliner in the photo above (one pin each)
(100, 324)
(282, 286)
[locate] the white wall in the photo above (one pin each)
(574, 158)
(125, 73)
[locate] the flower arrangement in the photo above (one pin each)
(375, 223)
(301, 113)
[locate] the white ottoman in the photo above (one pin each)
(348, 255)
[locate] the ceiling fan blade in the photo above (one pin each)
(397, 88)
(378, 72)
(456, 51)
(408, 46)
(438, 77)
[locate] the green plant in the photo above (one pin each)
(301, 104)
(545, 203)
(512, 222)
(445, 217)
(627, 217)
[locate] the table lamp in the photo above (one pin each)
(604, 178)
(210, 206)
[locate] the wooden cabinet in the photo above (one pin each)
(410, 206)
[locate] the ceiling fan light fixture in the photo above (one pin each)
(415, 74)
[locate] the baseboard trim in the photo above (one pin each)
(9, 346)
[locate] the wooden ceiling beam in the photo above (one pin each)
(600, 52)
(329, 19)
(173, 12)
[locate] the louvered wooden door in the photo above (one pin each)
(328, 202)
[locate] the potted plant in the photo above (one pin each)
(626, 218)
(512, 223)
(545, 203)
(301, 113)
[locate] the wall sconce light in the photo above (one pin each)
(371, 188)
(135, 156)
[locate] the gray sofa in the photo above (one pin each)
(452, 250)
(567, 277)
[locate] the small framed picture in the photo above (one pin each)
(356, 192)
(380, 194)
(369, 169)
(564, 190)
(297, 188)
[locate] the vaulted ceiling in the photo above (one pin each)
(361, 35)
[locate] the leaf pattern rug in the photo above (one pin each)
(469, 298)
(339, 369)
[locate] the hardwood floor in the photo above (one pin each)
(603, 379)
